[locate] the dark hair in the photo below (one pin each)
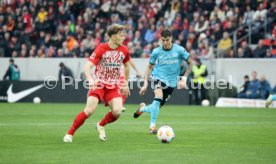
(166, 33)
(246, 77)
(61, 64)
(11, 60)
(114, 29)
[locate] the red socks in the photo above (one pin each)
(81, 117)
(109, 117)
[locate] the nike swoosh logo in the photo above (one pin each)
(13, 97)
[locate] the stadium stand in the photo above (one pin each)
(59, 28)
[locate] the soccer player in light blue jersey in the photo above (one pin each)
(164, 68)
(270, 99)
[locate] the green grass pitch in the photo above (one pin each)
(32, 133)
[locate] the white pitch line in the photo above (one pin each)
(139, 123)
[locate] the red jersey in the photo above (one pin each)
(108, 63)
(27, 18)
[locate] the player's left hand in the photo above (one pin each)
(182, 83)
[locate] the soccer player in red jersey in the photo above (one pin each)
(104, 85)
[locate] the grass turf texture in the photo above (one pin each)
(32, 133)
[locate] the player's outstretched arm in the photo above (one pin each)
(87, 73)
(146, 79)
(182, 83)
(135, 69)
(190, 67)
(125, 89)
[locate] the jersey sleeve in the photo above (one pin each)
(153, 57)
(95, 56)
(127, 55)
(184, 54)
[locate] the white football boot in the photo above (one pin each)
(268, 101)
(68, 138)
(123, 109)
(101, 132)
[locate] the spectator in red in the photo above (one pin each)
(28, 20)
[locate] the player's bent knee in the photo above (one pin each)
(88, 111)
(117, 111)
(158, 93)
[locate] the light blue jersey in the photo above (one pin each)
(168, 63)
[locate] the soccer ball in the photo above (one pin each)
(36, 100)
(165, 134)
(205, 102)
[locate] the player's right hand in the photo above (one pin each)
(143, 90)
(139, 75)
(93, 84)
(125, 90)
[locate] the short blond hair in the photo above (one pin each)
(114, 29)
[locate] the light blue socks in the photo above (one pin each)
(154, 113)
(153, 109)
(273, 97)
(146, 109)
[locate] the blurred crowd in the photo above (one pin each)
(73, 28)
(256, 88)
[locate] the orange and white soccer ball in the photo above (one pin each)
(165, 134)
